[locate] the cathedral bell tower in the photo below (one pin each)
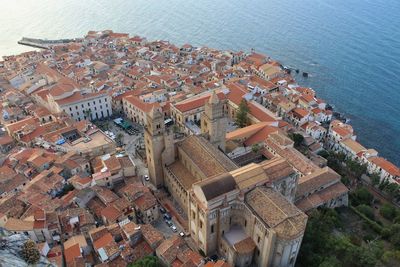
(213, 121)
(154, 143)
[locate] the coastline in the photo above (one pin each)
(339, 115)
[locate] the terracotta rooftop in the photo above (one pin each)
(152, 236)
(72, 252)
(320, 178)
(386, 165)
(217, 185)
(182, 174)
(206, 157)
(321, 197)
(276, 212)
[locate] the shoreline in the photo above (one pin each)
(47, 44)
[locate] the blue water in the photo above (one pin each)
(350, 47)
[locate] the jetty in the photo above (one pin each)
(44, 43)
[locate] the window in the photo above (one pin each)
(82, 105)
(76, 107)
(258, 239)
(99, 100)
(245, 223)
(212, 228)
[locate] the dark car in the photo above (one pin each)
(167, 216)
(162, 210)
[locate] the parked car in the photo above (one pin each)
(168, 222)
(146, 177)
(182, 234)
(167, 216)
(173, 227)
(162, 210)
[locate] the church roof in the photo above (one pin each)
(206, 157)
(218, 185)
(276, 212)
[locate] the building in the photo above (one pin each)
(213, 122)
(159, 146)
(247, 215)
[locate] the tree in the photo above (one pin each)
(375, 179)
(88, 114)
(324, 154)
(395, 235)
(392, 189)
(148, 261)
(330, 262)
(383, 184)
(30, 253)
(255, 148)
(366, 210)
(391, 258)
(297, 139)
(242, 114)
(175, 128)
(356, 168)
(119, 139)
(388, 211)
(362, 196)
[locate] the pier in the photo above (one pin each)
(43, 43)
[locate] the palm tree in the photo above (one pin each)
(119, 139)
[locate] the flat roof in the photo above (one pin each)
(235, 235)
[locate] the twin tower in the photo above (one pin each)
(160, 145)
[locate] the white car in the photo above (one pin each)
(146, 177)
(182, 234)
(173, 227)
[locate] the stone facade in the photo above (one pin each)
(213, 122)
(159, 146)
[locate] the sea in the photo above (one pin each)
(350, 48)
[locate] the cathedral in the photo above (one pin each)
(245, 214)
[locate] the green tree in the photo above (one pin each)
(119, 139)
(324, 154)
(242, 114)
(395, 235)
(392, 189)
(330, 262)
(391, 258)
(366, 210)
(362, 196)
(388, 211)
(297, 139)
(148, 261)
(345, 180)
(383, 184)
(375, 179)
(255, 148)
(356, 168)
(30, 253)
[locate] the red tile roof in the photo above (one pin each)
(386, 165)
(72, 252)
